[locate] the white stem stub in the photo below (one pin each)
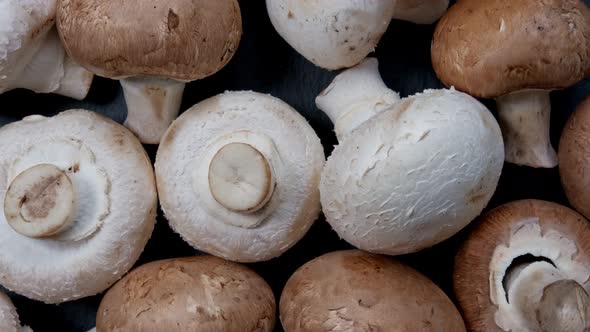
(39, 201)
(564, 306)
(241, 178)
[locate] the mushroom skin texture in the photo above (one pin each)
(346, 31)
(516, 51)
(406, 174)
(31, 54)
(357, 291)
(238, 176)
(170, 43)
(111, 218)
(574, 154)
(9, 321)
(525, 267)
(201, 293)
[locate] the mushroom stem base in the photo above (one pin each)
(525, 119)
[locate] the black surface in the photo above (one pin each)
(265, 63)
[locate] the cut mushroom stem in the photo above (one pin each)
(420, 11)
(546, 301)
(152, 104)
(39, 202)
(355, 96)
(525, 118)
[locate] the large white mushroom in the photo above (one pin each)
(79, 204)
(238, 176)
(407, 173)
(339, 34)
(31, 54)
(9, 321)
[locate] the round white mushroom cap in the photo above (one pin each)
(414, 174)
(79, 204)
(238, 176)
(9, 321)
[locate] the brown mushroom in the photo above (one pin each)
(516, 51)
(201, 293)
(357, 291)
(526, 267)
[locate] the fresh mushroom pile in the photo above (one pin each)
(302, 156)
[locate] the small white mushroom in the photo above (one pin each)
(9, 321)
(79, 203)
(31, 54)
(346, 31)
(407, 173)
(238, 176)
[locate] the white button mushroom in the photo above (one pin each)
(526, 267)
(9, 321)
(238, 176)
(31, 54)
(79, 204)
(516, 52)
(168, 44)
(407, 174)
(201, 293)
(357, 291)
(339, 34)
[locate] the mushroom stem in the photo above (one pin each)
(546, 301)
(420, 11)
(152, 104)
(52, 71)
(355, 96)
(525, 119)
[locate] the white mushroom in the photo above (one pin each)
(79, 205)
(408, 174)
(238, 176)
(9, 321)
(339, 34)
(31, 54)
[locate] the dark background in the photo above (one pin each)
(265, 63)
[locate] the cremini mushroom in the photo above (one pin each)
(407, 173)
(526, 267)
(202, 293)
(574, 157)
(31, 54)
(516, 51)
(344, 31)
(167, 44)
(357, 291)
(79, 201)
(9, 321)
(238, 176)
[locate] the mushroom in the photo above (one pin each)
(31, 54)
(345, 31)
(79, 199)
(516, 52)
(201, 293)
(238, 176)
(357, 291)
(169, 44)
(9, 321)
(407, 173)
(574, 154)
(526, 267)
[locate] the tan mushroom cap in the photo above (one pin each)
(201, 293)
(574, 159)
(180, 39)
(494, 47)
(357, 291)
(473, 271)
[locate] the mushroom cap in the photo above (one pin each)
(344, 31)
(202, 293)
(413, 175)
(9, 321)
(548, 230)
(353, 290)
(491, 48)
(574, 156)
(180, 39)
(181, 174)
(116, 200)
